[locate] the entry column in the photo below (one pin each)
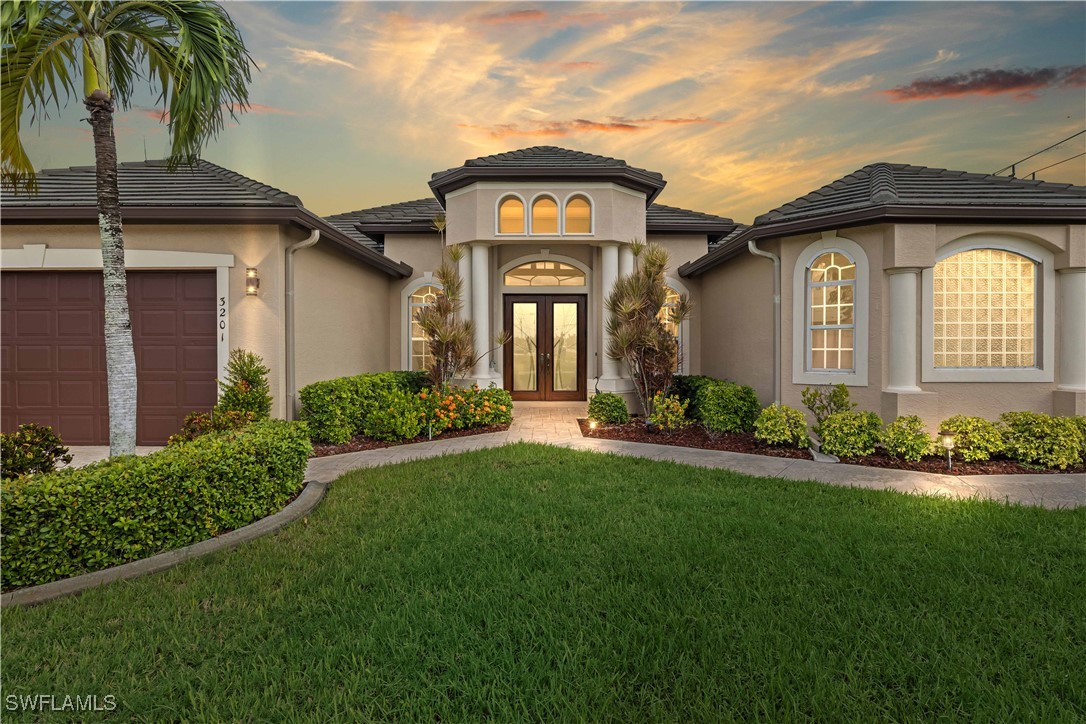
(480, 306)
(464, 268)
(608, 277)
(902, 339)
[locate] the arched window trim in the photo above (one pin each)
(558, 214)
(684, 327)
(591, 214)
(426, 280)
(498, 214)
(1045, 342)
(801, 374)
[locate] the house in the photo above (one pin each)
(926, 291)
(216, 261)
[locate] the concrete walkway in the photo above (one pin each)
(556, 424)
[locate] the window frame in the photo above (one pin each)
(591, 215)
(427, 280)
(557, 218)
(802, 374)
(498, 214)
(1044, 310)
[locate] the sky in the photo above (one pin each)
(741, 106)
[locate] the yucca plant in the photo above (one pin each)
(190, 49)
(451, 337)
(636, 334)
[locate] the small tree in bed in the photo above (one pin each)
(637, 335)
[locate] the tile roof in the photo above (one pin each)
(881, 184)
(546, 157)
(148, 183)
(895, 192)
(739, 229)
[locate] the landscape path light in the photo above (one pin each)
(946, 439)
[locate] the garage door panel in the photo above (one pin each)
(79, 323)
(35, 322)
(53, 351)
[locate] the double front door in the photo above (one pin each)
(546, 358)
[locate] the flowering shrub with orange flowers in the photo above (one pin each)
(460, 408)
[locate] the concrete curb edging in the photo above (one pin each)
(310, 497)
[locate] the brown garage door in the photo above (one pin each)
(53, 360)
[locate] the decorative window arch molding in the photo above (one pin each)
(558, 217)
(426, 280)
(498, 214)
(591, 214)
(1045, 346)
(800, 374)
(40, 256)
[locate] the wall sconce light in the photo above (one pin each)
(946, 439)
(252, 282)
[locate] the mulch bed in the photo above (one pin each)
(360, 443)
(695, 436)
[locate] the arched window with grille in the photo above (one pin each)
(831, 306)
(419, 357)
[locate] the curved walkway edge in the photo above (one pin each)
(557, 425)
(307, 500)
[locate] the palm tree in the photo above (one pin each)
(190, 50)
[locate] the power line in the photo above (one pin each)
(1033, 174)
(1011, 166)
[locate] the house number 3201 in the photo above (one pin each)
(222, 319)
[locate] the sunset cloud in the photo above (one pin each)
(580, 125)
(513, 17)
(991, 81)
(315, 57)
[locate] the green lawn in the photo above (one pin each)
(537, 583)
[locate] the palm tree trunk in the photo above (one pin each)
(120, 356)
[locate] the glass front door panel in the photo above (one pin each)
(525, 346)
(564, 349)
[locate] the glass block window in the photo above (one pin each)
(664, 315)
(545, 274)
(422, 297)
(511, 216)
(831, 319)
(984, 308)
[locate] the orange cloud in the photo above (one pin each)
(580, 125)
(513, 16)
(574, 65)
(990, 82)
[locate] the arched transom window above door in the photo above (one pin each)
(545, 274)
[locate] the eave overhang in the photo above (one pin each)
(631, 178)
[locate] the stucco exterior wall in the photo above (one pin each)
(737, 322)
(255, 321)
(618, 212)
(341, 308)
(423, 253)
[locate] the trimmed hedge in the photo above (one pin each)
(336, 410)
(608, 408)
(1034, 438)
(851, 434)
(687, 387)
(31, 449)
(975, 439)
(458, 408)
(728, 407)
(782, 426)
(74, 521)
(907, 439)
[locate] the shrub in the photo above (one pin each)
(825, 401)
(728, 407)
(609, 408)
(850, 434)
(459, 408)
(75, 521)
(668, 413)
(204, 423)
(906, 438)
(782, 426)
(687, 387)
(396, 415)
(336, 410)
(31, 449)
(246, 386)
(1080, 422)
(1038, 439)
(975, 439)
